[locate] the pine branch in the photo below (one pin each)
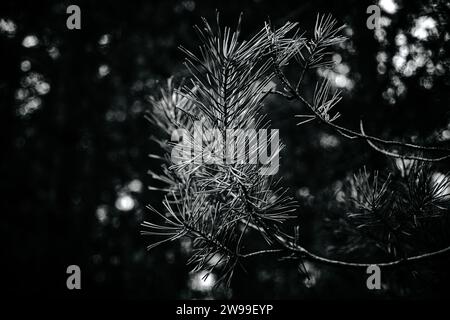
(326, 34)
(348, 133)
(297, 250)
(216, 203)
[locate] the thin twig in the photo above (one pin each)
(252, 254)
(349, 132)
(291, 247)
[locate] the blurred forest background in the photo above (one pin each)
(75, 144)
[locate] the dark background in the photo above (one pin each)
(74, 142)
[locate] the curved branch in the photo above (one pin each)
(291, 247)
(396, 155)
(348, 133)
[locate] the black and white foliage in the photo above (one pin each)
(218, 204)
